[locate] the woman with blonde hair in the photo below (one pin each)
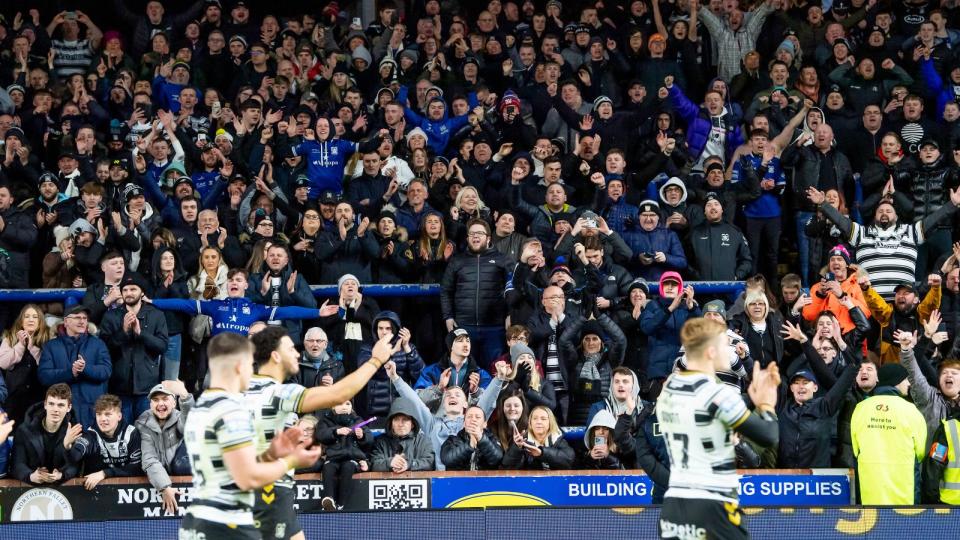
(431, 251)
(468, 205)
(543, 447)
(20, 352)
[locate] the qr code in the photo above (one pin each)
(398, 494)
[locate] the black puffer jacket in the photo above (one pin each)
(18, 235)
(343, 447)
(875, 175)
(457, 454)
(807, 173)
(473, 286)
(929, 189)
(556, 455)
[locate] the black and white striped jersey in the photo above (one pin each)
(697, 414)
(218, 423)
(275, 407)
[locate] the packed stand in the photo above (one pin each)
(562, 171)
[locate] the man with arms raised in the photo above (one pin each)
(697, 413)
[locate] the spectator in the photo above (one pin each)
(807, 419)
(907, 313)
(109, 449)
(346, 248)
(737, 33)
(719, 251)
(17, 234)
(136, 336)
(889, 438)
(39, 454)
(591, 363)
(937, 402)
(528, 376)
(279, 285)
(602, 449)
(837, 295)
(819, 165)
(474, 448)
(453, 405)
(379, 392)
(78, 359)
(887, 249)
(20, 353)
(236, 313)
(544, 447)
(661, 320)
(346, 445)
(104, 294)
(656, 249)
(760, 327)
(161, 439)
(350, 321)
(170, 281)
(457, 369)
(472, 291)
(320, 364)
(404, 446)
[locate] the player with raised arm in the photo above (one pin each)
(697, 414)
(276, 404)
(220, 439)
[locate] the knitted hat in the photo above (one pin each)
(639, 283)
(509, 99)
(345, 278)
(649, 206)
(454, 335)
(415, 131)
(601, 100)
(518, 349)
(891, 374)
(840, 251)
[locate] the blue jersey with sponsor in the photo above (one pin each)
(325, 163)
(235, 314)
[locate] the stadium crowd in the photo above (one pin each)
(561, 169)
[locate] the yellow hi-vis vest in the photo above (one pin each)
(950, 483)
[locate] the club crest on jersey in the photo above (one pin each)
(245, 310)
(334, 151)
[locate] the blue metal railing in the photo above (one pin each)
(405, 290)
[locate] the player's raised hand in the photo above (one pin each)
(763, 388)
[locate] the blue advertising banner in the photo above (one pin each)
(626, 490)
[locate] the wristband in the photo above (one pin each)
(287, 462)
(377, 362)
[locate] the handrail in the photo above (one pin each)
(405, 290)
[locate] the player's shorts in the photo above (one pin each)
(701, 519)
(193, 528)
(274, 514)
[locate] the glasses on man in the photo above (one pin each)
(476, 234)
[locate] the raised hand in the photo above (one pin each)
(763, 388)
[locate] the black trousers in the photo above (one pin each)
(763, 235)
(338, 479)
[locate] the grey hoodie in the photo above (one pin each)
(438, 426)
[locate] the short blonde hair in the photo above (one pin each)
(697, 334)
